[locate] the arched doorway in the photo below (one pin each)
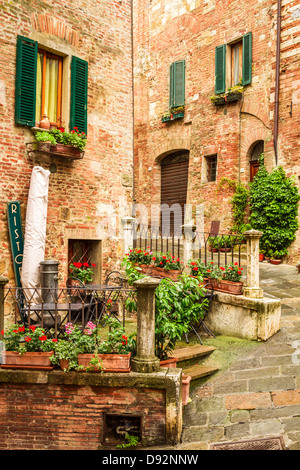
(255, 153)
(174, 183)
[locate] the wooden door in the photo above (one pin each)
(174, 183)
(254, 167)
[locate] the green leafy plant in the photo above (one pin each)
(239, 202)
(274, 202)
(75, 138)
(231, 272)
(26, 339)
(130, 441)
(177, 306)
(117, 342)
(43, 136)
(82, 271)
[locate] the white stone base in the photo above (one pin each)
(243, 317)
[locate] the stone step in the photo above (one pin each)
(198, 371)
(192, 352)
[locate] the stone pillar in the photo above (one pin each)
(252, 289)
(3, 282)
(145, 359)
(188, 240)
(127, 233)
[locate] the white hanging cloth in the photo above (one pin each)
(35, 232)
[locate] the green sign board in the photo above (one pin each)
(16, 237)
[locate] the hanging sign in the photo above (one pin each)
(16, 237)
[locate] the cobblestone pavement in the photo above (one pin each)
(259, 395)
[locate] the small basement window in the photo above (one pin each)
(210, 169)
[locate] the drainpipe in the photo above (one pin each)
(132, 87)
(277, 81)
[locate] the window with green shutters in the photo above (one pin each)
(237, 67)
(30, 75)
(177, 84)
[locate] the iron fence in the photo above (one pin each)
(206, 246)
(51, 309)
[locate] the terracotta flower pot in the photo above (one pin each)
(229, 287)
(108, 362)
(146, 269)
(275, 261)
(186, 379)
(29, 360)
(62, 149)
(156, 271)
(172, 274)
(225, 250)
(261, 256)
(64, 363)
(171, 362)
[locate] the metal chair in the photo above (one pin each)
(111, 296)
(201, 324)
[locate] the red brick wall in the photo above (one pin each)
(70, 417)
(98, 32)
(190, 30)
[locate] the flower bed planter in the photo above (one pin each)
(108, 362)
(28, 360)
(166, 119)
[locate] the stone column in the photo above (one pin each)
(3, 282)
(188, 240)
(127, 233)
(252, 289)
(145, 359)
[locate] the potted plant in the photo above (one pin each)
(218, 100)
(166, 117)
(276, 256)
(226, 243)
(82, 271)
(69, 143)
(65, 355)
(44, 141)
(177, 112)
(261, 255)
(234, 93)
(177, 306)
(228, 279)
(27, 348)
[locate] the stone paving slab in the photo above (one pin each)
(259, 395)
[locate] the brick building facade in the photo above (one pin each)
(81, 192)
(175, 63)
(221, 141)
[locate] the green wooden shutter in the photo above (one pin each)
(220, 69)
(171, 93)
(25, 98)
(247, 58)
(177, 84)
(79, 94)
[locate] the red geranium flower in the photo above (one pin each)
(27, 339)
(43, 338)
(21, 329)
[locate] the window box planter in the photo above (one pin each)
(167, 118)
(220, 101)
(233, 97)
(178, 115)
(109, 362)
(67, 150)
(43, 146)
(28, 360)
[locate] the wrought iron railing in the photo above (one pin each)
(51, 309)
(205, 246)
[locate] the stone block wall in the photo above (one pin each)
(84, 195)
